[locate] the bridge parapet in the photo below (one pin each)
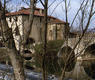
(82, 45)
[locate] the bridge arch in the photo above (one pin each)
(63, 54)
(81, 62)
(88, 60)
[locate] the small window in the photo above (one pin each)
(40, 19)
(17, 31)
(16, 18)
(10, 19)
(48, 19)
(0, 33)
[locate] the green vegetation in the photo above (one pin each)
(51, 60)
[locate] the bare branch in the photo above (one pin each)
(66, 12)
(56, 7)
(51, 3)
(31, 17)
(77, 13)
(87, 25)
(42, 3)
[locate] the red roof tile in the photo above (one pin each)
(56, 20)
(26, 11)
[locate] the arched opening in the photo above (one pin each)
(89, 61)
(67, 58)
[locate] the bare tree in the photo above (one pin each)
(45, 5)
(84, 30)
(9, 43)
(17, 63)
(16, 58)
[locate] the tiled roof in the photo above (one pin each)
(26, 11)
(56, 20)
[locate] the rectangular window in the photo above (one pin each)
(10, 19)
(16, 18)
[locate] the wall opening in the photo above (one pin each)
(89, 61)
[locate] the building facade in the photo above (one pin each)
(19, 20)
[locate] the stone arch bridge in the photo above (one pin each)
(84, 53)
(86, 42)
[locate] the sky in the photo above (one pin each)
(58, 12)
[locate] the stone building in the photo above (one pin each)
(20, 19)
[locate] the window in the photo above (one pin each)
(10, 19)
(17, 31)
(40, 19)
(16, 19)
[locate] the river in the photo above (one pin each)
(6, 73)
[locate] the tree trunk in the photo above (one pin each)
(28, 28)
(15, 57)
(17, 64)
(45, 38)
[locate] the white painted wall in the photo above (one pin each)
(13, 25)
(37, 26)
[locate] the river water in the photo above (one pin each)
(6, 73)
